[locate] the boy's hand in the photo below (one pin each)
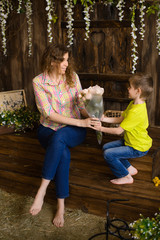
(96, 124)
(102, 118)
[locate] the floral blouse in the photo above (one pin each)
(60, 98)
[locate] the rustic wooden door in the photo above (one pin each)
(105, 58)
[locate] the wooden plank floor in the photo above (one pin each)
(21, 159)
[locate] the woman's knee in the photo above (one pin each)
(56, 139)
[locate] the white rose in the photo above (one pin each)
(88, 96)
(85, 91)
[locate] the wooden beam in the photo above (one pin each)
(104, 77)
(100, 24)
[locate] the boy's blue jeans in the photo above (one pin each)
(57, 157)
(117, 154)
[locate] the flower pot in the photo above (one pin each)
(6, 130)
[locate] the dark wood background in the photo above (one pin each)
(104, 59)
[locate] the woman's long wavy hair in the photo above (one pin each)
(54, 53)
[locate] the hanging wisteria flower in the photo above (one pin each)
(134, 37)
(158, 30)
(4, 12)
(92, 97)
(10, 5)
(87, 21)
(106, 2)
(51, 16)
(120, 6)
(29, 22)
(86, 11)
(19, 6)
(69, 8)
(142, 14)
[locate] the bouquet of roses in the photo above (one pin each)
(92, 97)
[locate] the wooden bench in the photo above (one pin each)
(21, 159)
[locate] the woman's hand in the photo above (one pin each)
(91, 122)
(88, 122)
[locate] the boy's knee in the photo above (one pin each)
(105, 147)
(107, 155)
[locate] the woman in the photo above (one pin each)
(61, 127)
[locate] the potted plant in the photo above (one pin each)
(146, 228)
(18, 120)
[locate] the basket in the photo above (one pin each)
(112, 113)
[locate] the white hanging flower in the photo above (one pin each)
(120, 6)
(134, 37)
(87, 21)
(69, 8)
(19, 6)
(4, 12)
(51, 17)
(106, 2)
(86, 11)
(28, 6)
(142, 14)
(158, 30)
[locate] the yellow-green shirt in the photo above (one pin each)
(135, 124)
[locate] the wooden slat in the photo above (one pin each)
(104, 77)
(100, 24)
(24, 166)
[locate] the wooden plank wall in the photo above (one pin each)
(17, 69)
(104, 59)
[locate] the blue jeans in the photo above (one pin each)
(57, 156)
(117, 154)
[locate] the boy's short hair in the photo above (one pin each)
(144, 82)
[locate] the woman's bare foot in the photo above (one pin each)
(37, 204)
(124, 180)
(38, 201)
(132, 170)
(58, 220)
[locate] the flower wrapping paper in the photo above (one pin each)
(93, 100)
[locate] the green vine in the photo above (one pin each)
(84, 2)
(153, 9)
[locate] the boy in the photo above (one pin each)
(133, 122)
